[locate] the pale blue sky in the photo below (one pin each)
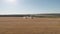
(29, 6)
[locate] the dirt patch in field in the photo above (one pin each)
(18, 25)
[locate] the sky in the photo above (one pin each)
(29, 6)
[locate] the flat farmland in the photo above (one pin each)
(19, 25)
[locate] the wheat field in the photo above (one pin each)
(19, 25)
